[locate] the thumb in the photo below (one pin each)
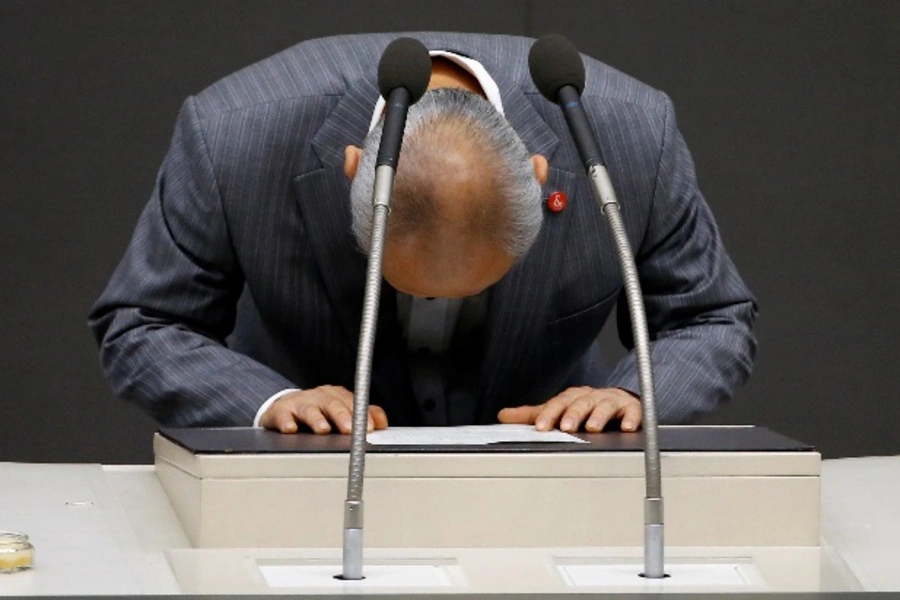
(519, 415)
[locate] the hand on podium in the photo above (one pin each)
(326, 406)
(576, 405)
(318, 408)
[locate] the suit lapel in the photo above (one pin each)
(348, 123)
(323, 195)
(521, 301)
(521, 305)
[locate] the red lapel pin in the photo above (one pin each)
(557, 201)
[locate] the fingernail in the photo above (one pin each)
(541, 425)
(567, 424)
(593, 424)
(321, 425)
(627, 425)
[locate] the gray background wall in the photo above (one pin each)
(790, 108)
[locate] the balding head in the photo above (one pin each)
(466, 202)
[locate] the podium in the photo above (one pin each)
(731, 486)
(112, 529)
(253, 512)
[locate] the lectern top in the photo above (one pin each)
(250, 440)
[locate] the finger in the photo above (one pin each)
(553, 409)
(313, 417)
(344, 397)
(603, 411)
(632, 414)
(519, 415)
(339, 414)
(378, 416)
(286, 422)
(279, 418)
(576, 413)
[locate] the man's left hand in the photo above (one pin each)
(591, 406)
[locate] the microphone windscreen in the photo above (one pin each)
(554, 62)
(405, 63)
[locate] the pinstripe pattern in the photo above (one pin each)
(242, 277)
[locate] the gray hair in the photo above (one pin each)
(446, 119)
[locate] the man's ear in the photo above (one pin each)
(540, 168)
(352, 155)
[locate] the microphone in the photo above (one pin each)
(558, 73)
(403, 75)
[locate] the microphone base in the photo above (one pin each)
(654, 556)
(353, 555)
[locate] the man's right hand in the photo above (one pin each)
(319, 409)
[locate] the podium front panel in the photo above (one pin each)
(723, 486)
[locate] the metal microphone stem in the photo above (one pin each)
(353, 507)
(605, 195)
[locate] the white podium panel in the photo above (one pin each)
(492, 499)
(136, 545)
(534, 572)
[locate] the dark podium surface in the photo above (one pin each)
(250, 440)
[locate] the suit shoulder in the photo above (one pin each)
(313, 68)
(605, 83)
(327, 66)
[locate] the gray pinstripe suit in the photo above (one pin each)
(242, 277)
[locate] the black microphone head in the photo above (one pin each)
(554, 62)
(405, 63)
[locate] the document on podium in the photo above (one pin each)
(467, 435)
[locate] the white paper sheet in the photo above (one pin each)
(468, 435)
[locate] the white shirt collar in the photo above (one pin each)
(487, 83)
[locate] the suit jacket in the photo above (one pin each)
(243, 278)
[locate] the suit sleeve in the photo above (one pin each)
(699, 311)
(162, 321)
